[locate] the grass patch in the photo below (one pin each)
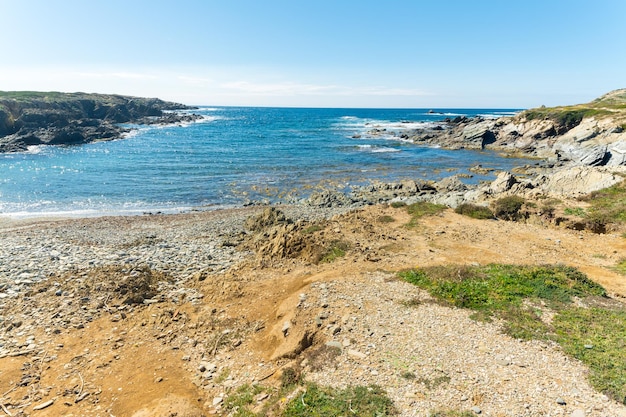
(312, 229)
(398, 204)
(336, 250)
(474, 211)
(608, 206)
(621, 267)
(576, 211)
(520, 295)
(319, 401)
(597, 337)
(386, 219)
(241, 399)
(423, 208)
(496, 288)
(508, 208)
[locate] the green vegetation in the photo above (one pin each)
(421, 209)
(398, 204)
(508, 208)
(621, 267)
(521, 295)
(317, 401)
(569, 116)
(336, 250)
(608, 206)
(239, 401)
(597, 337)
(612, 104)
(386, 219)
(474, 211)
(576, 211)
(312, 229)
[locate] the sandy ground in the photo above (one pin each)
(92, 355)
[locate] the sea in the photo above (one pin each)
(232, 157)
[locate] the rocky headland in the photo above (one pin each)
(592, 134)
(51, 118)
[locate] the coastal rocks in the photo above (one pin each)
(269, 217)
(328, 199)
(479, 134)
(28, 119)
(577, 181)
(378, 192)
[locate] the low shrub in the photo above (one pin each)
(423, 208)
(474, 211)
(336, 250)
(508, 208)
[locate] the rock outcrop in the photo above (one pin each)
(32, 118)
(592, 134)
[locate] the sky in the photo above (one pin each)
(319, 53)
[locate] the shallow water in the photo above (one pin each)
(233, 155)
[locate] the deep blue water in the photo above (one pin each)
(234, 155)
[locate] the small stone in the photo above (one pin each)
(158, 379)
(464, 398)
(357, 354)
(260, 397)
(334, 344)
(578, 413)
(560, 401)
(588, 346)
(501, 360)
(58, 293)
(345, 343)
(217, 401)
(476, 410)
(186, 358)
(286, 327)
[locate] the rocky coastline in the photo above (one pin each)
(591, 134)
(39, 118)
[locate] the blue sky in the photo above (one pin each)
(396, 53)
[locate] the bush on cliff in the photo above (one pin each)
(508, 208)
(474, 211)
(608, 206)
(421, 209)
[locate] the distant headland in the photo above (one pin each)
(30, 118)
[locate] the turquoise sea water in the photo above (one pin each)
(232, 156)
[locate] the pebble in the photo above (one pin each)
(476, 409)
(561, 401)
(334, 344)
(578, 413)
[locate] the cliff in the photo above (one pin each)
(592, 134)
(52, 118)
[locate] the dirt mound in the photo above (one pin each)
(268, 218)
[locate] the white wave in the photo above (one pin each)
(364, 146)
(385, 150)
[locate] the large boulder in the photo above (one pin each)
(478, 135)
(580, 180)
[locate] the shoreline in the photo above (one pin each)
(214, 320)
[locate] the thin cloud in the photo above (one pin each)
(295, 89)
